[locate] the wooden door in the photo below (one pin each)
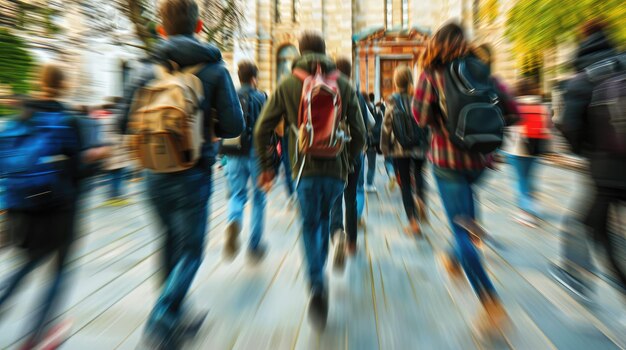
(387, 66)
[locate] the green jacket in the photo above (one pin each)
(284, 103)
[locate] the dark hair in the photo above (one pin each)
(179, 17)
(344, 65)
(527, 87)
(247, 71)
(593, 26)
(311, 41)
(372, 97)
(445, 46)
(52, 80)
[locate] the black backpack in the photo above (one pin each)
(405, 129)
(607, 110)
(475, 120)
(242, 144)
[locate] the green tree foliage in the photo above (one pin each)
(536, 26)
(488, 11)
(16, 63)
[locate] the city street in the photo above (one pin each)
(393, 295)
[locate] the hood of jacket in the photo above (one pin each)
(186, 51)
(309, 61)
(595, 48)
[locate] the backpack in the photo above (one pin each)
(322, 131)
(607, 110)
(378, 127)
(475, 120)
(33, 161)
(90, 133)
(242, 144)
(167, 120)
(405, 128)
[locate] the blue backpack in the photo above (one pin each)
(34, 161)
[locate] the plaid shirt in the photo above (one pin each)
(429, 109)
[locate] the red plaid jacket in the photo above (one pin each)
(429, 110)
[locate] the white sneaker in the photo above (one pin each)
(370, 189)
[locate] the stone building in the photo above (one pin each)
(377, 35)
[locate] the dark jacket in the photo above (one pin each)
(219, 91)
(255, 101)
(284, 104)
(577, 125)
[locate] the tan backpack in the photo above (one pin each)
(167, 120)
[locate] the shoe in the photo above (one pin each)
(54, 338)
(257, 254)
(318, 309)
(370, 189)
(232, 239)
(392, 183)
(421, 210)
(339, 257)
(574, 285)
(413, 229)
(452, 266)
(360, 223)
(352, 249)
(495, 318)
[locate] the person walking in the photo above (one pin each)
(457, 170)
(353, 194)
(320, 177)
(243, 166)
(592, 122)
(42, 196)
(180, 196)
(408, 156)
(527, 140)
(373, 146)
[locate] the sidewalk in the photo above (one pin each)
(393, 295)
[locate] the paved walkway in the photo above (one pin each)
(393, 295)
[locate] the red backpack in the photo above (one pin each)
(322, 132)
(536, 120)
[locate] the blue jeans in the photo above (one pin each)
(284, 145)
(181, 203)
(389, 167)
(371, 165)
(455, 188)
(116, 178)
(525, 182)
(354, 196)
(317, 195)
(241, 170)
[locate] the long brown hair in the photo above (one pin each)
(403, 79)
(446, 45)
(51, 81)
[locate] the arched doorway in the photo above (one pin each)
(284, 61)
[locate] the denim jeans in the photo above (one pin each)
(525, 182)
(389, 167)
(317, 195)
(181, 203)
(284, 145)
(116, 179)
(371, 165)
(354, 196)
(405, 167)
(241, 171)
(455, 188)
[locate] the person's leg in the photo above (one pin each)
(360, 189)
(187, 196)
(10, 285)
(310, 209)
(115, 177)
(287, 164)
(336, 216)
(351, 196)
(402, 167)
(331, 190)
(389, 167)
(418, 175)
(238, 176)
(458, 201)
(259, 202)
(371, 166)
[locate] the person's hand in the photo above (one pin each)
(95, 154)
(266, 180)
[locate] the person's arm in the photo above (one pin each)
(371, 122)
(385, 133)
(576, 100)
(271, 115)
(424, 100)
(230, 121)
(509, 106)
(357, 127)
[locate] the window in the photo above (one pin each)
(294, 10)
(284, 60)
(405, 14)
(276, 11)
(388, 14)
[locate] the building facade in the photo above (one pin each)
(377, 34)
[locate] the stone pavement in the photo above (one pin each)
(393, 295)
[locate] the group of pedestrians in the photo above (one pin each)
(182, 110)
